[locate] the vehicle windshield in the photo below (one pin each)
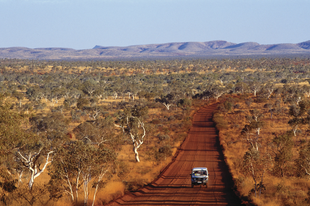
(200, 172)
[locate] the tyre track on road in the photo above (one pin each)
(201, 148)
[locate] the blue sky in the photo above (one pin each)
(82, 24)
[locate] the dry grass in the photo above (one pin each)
(135, 174)
(279, 191)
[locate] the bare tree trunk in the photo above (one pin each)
(261, 184)
(31, 165)
(86, 179)
(20, 177)
(99, 179)
(253, 176)
(77, 186)
(70, 188)
(135, 150)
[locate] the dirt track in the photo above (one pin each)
(200, 149)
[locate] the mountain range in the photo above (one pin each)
(178, 49)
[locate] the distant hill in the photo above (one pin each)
(181, 49)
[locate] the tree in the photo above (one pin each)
(96, 132)
(34, 93)
(167, 100)
(38, 149)
(218, 92)
(241, 87)
(303, 161)
(19, 96)
(29, 158)
(12, 138)
(269, 88)
(82, 102)
(89, 87)
(255, 121)
(255, 164)
(306, 90)
(283, 145)
(76, 164)
(255, 87)
(298, 113)
(249, 137)
(131, 122)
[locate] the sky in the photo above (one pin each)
(83, 24)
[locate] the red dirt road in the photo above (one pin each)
(173, 187)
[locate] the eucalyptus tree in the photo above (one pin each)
(96, 132)
(167, 100)
(298, 114)
(50, 134)
(269, 88)
(282, 146)
(89, 87)
(218, 91)
(255, 164)
(19, 96)
(255, 86)
(131, 122)
(13, 137)
(303, 161)
(77, 164)
(241, 87)
(306, 90)
(34, 93)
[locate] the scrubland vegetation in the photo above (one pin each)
(85, 132)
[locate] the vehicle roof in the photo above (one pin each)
(200, 168)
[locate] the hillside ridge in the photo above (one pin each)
(175, 49)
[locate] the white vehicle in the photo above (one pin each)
(199, 176)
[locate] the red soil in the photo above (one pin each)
(173, 187)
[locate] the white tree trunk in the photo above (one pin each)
(99, 179)
(167, 105)
(218, 95)
(253, 176)
(295, 130)
(86, 180)
(30, 164)
(70, 187)
(135, 150)
(258, 130)
(77, 185)
(20, 177)
(136, 140)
